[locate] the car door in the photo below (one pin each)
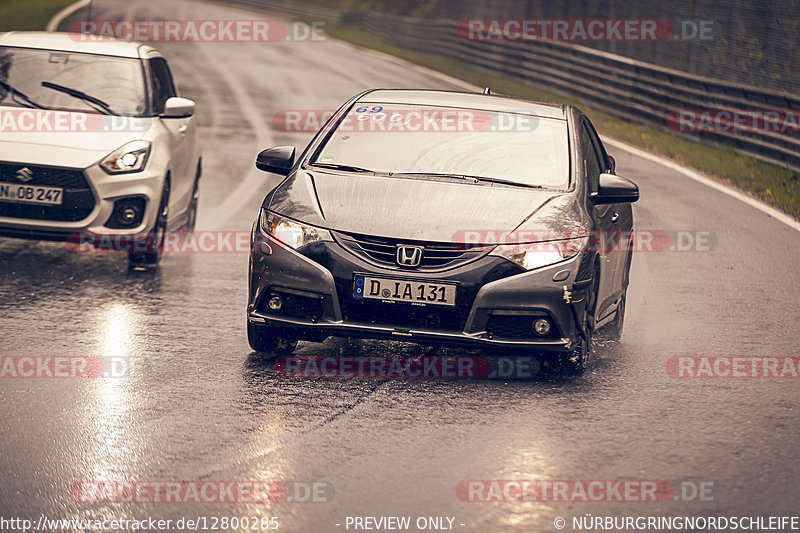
(603, 216)
(622, 219)
(178, 130)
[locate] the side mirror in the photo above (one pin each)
(176, 107)
(278, 160)
(615, 190)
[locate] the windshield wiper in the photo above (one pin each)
(476, 179)
(80, 95)
(437, 175)
(510, 182)
(16, 92)
(346, 168)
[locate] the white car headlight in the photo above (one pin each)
(130, 158)
(291, 233)
(540, 254)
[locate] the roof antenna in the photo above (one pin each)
(487, 91)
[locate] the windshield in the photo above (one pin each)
(117, 82)
(404, 139)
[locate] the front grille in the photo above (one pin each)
(77, 202)
(342, 268)
(46, 176)
(435, 255)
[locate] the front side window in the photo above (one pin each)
(163, 86)
(605, 164)
(591, 160)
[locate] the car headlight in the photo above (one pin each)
(291, 233)
(130, 158)
(540, 254)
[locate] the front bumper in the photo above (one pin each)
(496, 301)
(99, 201)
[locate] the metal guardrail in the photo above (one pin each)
(620, 86)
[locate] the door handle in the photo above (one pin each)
(614, 217)
(182, 129)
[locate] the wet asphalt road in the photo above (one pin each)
(202, 406)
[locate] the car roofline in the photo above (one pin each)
(61, 42)
(470, 100)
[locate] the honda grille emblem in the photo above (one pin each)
(409, 256)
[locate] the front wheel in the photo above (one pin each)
(191, 216)
(613, 331)
(577, 358)
(265, 339)
(150, 253)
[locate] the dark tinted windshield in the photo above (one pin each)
(117, 81)
(390, 138)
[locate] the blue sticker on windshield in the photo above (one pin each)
(367, 109)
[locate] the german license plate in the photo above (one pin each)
(403, 290)
(31, 194)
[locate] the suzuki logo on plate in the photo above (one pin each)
(409, 256)
(24, 174)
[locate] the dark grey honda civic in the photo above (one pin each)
(444, 218)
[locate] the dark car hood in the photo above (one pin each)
(419, 209)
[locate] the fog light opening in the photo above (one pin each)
(127, 215)
(541, 326)
(275, 303)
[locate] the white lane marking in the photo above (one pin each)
(255, 179)
(64, 13)
(672, 165)
(696, 176)
(419, 68)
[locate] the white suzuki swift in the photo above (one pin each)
(96, 146)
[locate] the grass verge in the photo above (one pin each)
(29, 14)
(774, 185)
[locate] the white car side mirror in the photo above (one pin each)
(176, 107)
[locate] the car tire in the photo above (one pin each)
(154, 244)
(191, 215)
(613, 331)
(264, 339)
(577, 359)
